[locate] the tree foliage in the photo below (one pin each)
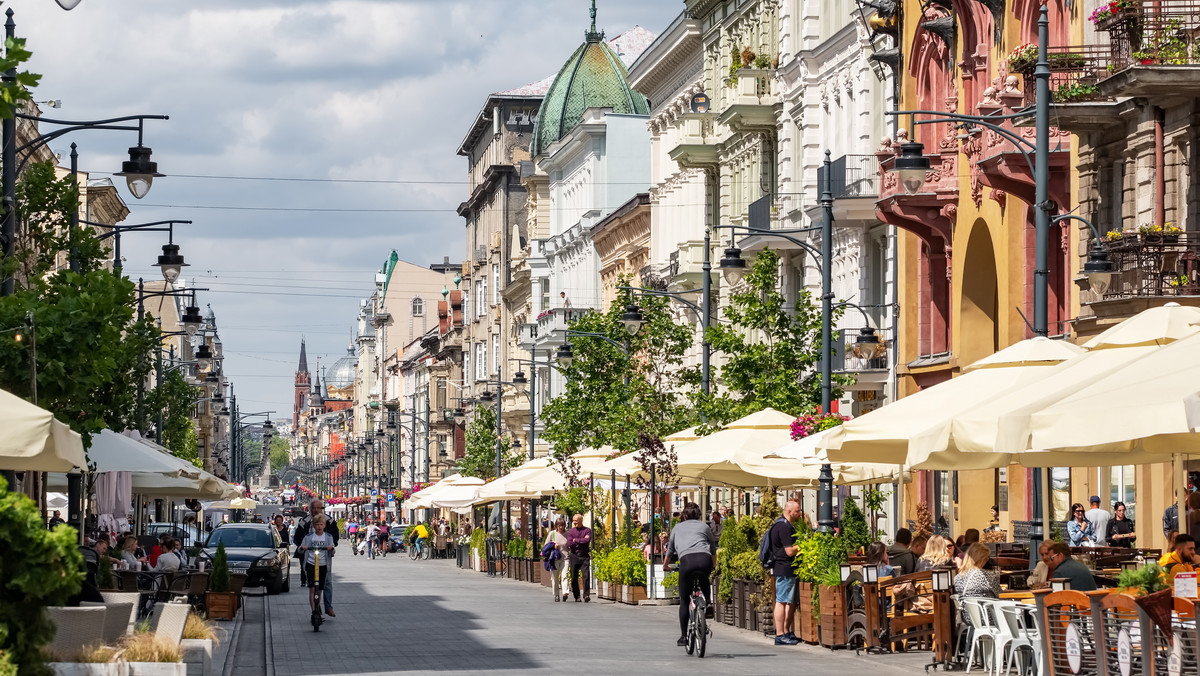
(772, 353)
(40, 568)
(280, 454)
(479, 457)
(91, 352)
(176, 399)
(598, 408)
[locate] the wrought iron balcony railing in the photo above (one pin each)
(1154, 264)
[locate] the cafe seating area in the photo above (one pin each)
(1054, 630)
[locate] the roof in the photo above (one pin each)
(538, 88)
(594, 77)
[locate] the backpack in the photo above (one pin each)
(766, 553)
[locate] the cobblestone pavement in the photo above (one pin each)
(400, 616)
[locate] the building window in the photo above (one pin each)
(480, 361)
(480, 297)
(1121, 489)
(418, 307)
(545, 294)
(466, 368)
(495, 284)
(495, 353)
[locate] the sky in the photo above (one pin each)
(306, 141)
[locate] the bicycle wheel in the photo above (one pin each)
(691, 633)
(425, 552)
(412, 552)
(701, 630)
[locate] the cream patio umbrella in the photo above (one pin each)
(1002, 424)
(626, 465)
(509, 486)
(456, 493)
(799, 463)
(714, 458)
(420, 499)
(885, 434)
(34, 440)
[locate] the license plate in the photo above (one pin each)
(239, 564)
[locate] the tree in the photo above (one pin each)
(598, 408)
(91, 352)
(281, 454)
(479, 457)
(772, 354)
(176, 399)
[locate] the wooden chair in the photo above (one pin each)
(908, 619)
(75, 629)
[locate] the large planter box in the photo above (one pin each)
(604, 589)
(157, 669)
(832, 624)
(197, 655)
(750, 619)
(630, 594)
(805, 624)
(221, 605)
(740, 602)
(89, 669)
(544, 576)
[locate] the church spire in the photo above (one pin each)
(593, 35)
(303, 367)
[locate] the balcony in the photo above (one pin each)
(850, 358)
(550, 329)
(687, 266)
(752, 95)
(1150, 270)
(854, 183)
(697, 146)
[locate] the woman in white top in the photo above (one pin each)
(558, 565)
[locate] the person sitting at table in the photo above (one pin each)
(1040, 577)
(157, 550)
(128, 553)
(877, 556)
(171, 558)
(1120, 529)
(1079, 529)
(964, 542)
(1181, 558)
(937, 553)
(1066, 567)
(972, 581)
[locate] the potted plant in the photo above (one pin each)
(747, 55)
(1075, 91)
(147, 655)
(1144, 58)
(197, 643)
(1114, 13)
(96, 660)
(1148, 586)
(1023, 58)
(627, 569)
(220, 602)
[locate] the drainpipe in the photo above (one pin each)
(1160, 179)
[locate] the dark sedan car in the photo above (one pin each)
(256, 550)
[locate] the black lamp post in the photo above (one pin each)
(139, 170)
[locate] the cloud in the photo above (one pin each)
(382, 90)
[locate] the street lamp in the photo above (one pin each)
(171, 262)
(139, 171)
(632, 319)
(203, 356)
(733, 266)
(565, 355)
(67, 5)
(166, 264)
(911, 167)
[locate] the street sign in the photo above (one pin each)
(391, 497)
(374, 492)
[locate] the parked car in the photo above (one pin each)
(256, 550)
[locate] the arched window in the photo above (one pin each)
(418, 307)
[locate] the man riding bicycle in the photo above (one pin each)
(693, 545)
(420, 534)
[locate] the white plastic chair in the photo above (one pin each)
(1014, 619)
(983, 633)
(1033, 633)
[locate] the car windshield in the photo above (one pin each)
(241, 537)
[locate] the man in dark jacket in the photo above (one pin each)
(579, 548)
(305, 524)
(900, 556)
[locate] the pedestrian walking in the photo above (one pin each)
(554, 551)
(579, 546)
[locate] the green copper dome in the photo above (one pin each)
(594, 77)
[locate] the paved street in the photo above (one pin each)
(396, 615)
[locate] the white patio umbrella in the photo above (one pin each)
(34, 440)
(113, 452)
(714, 458)
(885, 434)
(799, 463)
(627, 465)
(509, 486)
(1002, 424)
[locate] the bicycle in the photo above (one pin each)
(418, 551)
(697, 628)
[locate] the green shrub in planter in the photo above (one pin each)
(218, 579)
(600, 567)
(478, 542)
(40, 568)
(746, 566)
(515, 548)
(626, 566)
(671, 583)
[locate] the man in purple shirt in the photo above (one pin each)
(579, 548)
